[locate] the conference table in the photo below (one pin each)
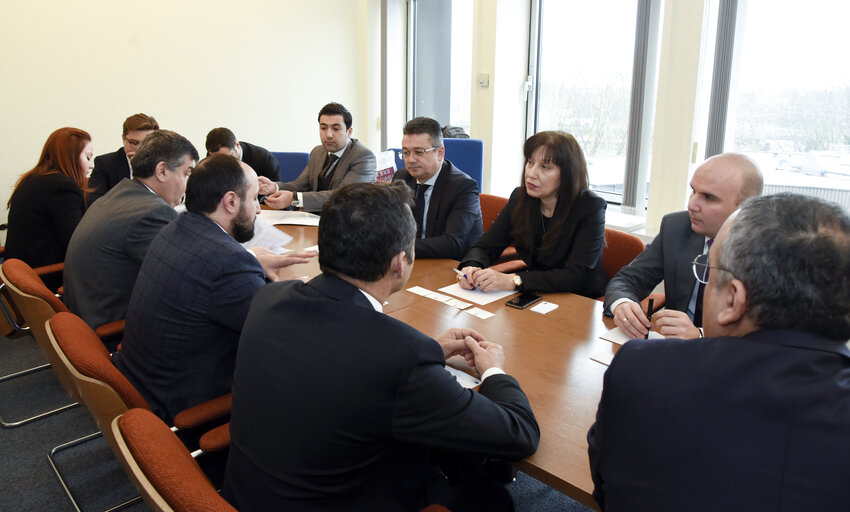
(550, 356)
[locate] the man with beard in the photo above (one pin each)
(193, 291)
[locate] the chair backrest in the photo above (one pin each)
(291, 163)
(490, 207)
(166, 475)
(36, 304)
(468, 156)
(621, 249)
(104, 390)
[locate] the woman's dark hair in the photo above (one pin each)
(61, 154)
(561, 149)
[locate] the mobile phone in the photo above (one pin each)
(523, 300)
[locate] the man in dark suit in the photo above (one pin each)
(342, 408)
(222, 140)
(447, 209)
(188, 306)
(755, 416)
(338, 161)
(111, 168)
(110, 242)
(718, 187)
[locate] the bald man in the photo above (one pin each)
(718, 187)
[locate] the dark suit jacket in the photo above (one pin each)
(667, 258)
(107, 249)
(186, 313)
(454, 214)
(43, 214)
(263, 162)
(338, 406)
(109, 170)
(356, 165)
(753, 423)
(576, 263)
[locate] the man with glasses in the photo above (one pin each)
(755, 415)
(111, 168)
(447, 210)
(338, 161)
(718, 187)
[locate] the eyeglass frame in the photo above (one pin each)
(418, 152)
(705, 265)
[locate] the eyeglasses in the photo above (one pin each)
(132, 142)
(418, 152)
(702, 268)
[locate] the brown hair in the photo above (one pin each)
(139, 122)
(561, 149)
(61, 154)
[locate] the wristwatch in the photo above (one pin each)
(517, 282)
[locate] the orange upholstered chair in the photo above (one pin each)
(166, 475)
(103, 389)
(490, 207)
(620, 249)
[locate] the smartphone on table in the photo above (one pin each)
(523, 300)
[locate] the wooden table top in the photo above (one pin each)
(548, 354)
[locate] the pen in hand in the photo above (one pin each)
(649, 309)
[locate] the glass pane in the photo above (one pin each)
(586, 56)
(789, 107)
(461, 56)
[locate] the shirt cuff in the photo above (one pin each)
(618, 302)
(492, 371)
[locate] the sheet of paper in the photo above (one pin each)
(616, 335)
(544, 307)
(439, 297)
(480, 313)
(603, 357)
(464, 379)
(476, 296)
(266, 235)
(290, 217)
(457, 303)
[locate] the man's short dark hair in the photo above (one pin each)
(792, 253)
(336, 109)
(139, 122)
(214, 176)
(219, 138)
(363, 226)
(427, 125)
(161, 146)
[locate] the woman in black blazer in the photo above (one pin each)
(49, 200)
(556, 223)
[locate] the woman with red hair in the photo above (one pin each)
(49, 200)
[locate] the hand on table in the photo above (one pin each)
(483, 355)
(630, 318)
(485, 279)
(272, 263)
(280, 199)
(453, 341)
(674, 324)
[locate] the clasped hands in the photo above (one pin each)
(632, 320)
(277, 199)
(478, 352)
(485, 279)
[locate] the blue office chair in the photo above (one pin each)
(399, 161)
(468, 156)
(291, 164)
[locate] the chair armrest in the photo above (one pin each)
(204, 413)
(216, 439)
(111, 329)
(50, 269)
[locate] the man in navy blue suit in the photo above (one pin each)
(111, 168)
(193, 291)
(755, 416)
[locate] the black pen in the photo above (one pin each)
(649, 314)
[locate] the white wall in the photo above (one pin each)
(263, 68)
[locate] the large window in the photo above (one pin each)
(789, 101)
(585, 69)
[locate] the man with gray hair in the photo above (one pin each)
(718, 187)
(447, 209)
(755, 416)
(110, 242)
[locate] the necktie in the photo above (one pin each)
(419, 209)
(701, 292)
(327, 174)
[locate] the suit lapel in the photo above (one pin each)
(436, 198)
(343, 161)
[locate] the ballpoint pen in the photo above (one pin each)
(649, 309)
